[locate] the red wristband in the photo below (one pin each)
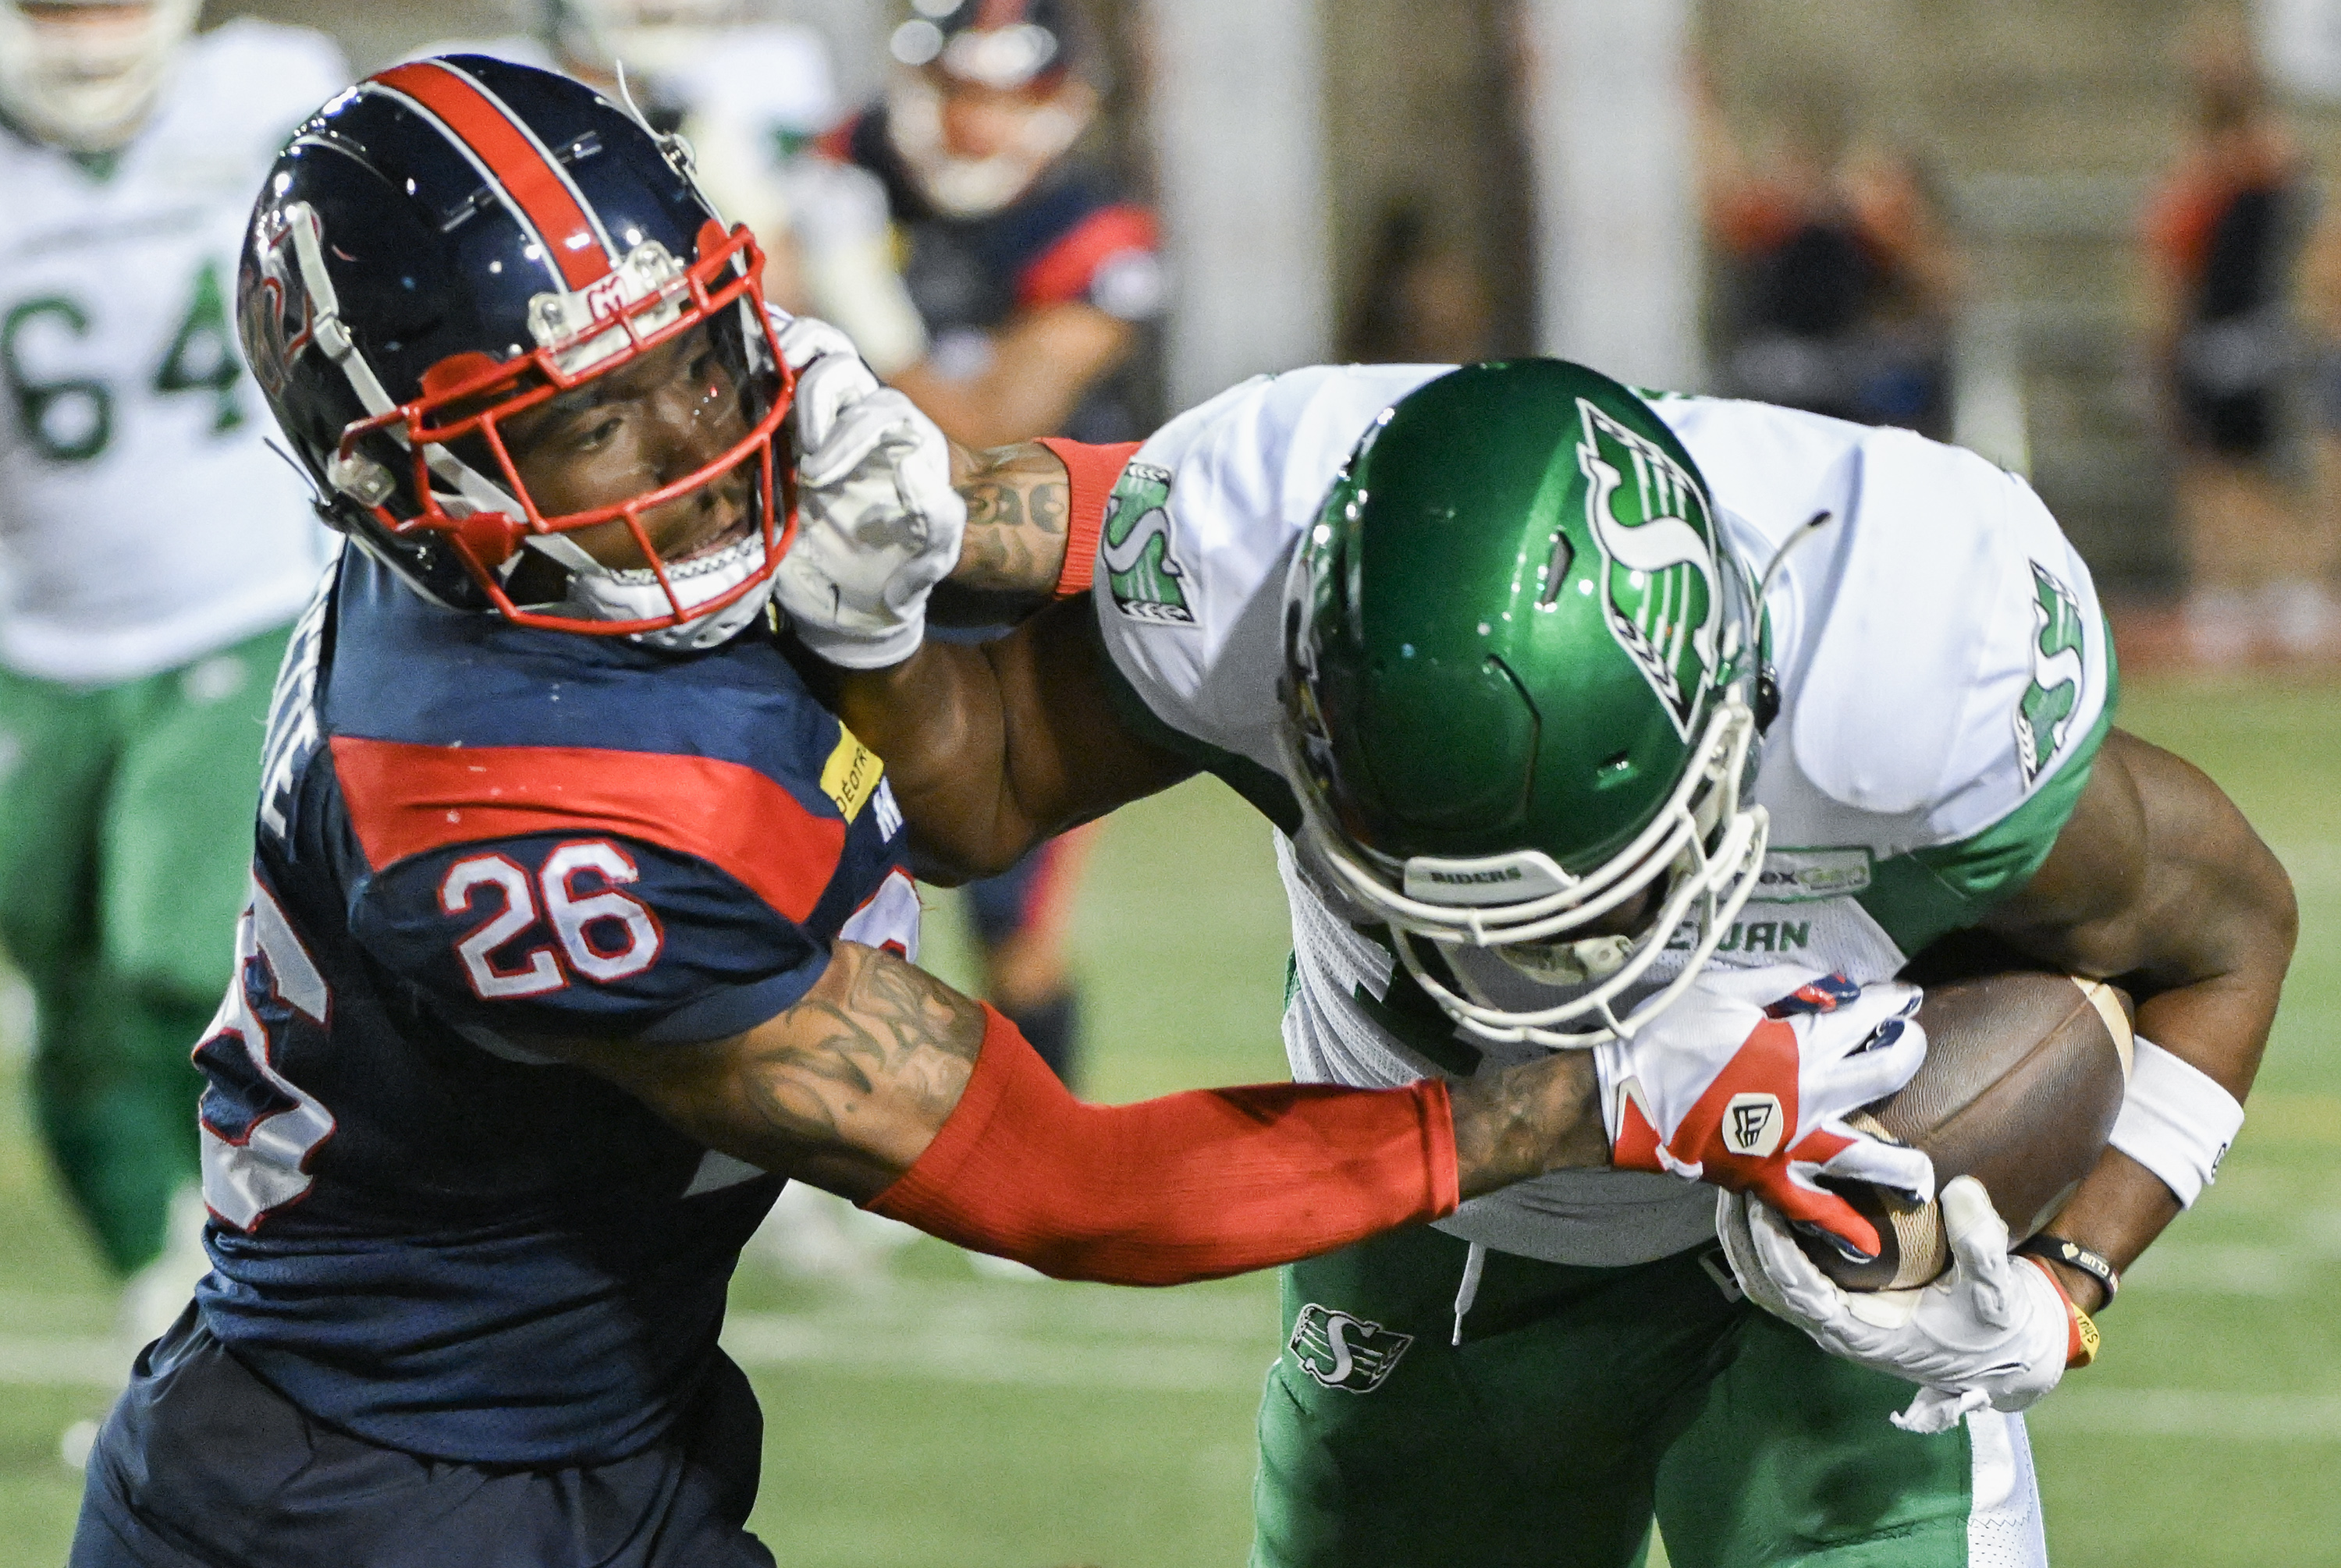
(1092, 471)
(1190, 1187)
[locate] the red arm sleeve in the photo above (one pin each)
(1190, 1187)
(1093, 471)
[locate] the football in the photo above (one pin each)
(2024, 1076)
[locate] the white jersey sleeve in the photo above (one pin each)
(1198, 533)
(1947, 674)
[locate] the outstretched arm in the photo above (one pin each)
(887, 1087)
(2158, 882)
(993, 747)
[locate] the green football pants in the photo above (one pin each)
(126, 841)
(1582, 1403)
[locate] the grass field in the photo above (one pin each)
(941, 1419)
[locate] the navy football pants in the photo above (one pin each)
(203, 1465)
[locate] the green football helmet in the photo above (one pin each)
(1519, 695)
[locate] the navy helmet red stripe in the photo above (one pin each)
(457, 240)
(527, 175)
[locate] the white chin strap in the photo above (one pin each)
(971, 187)
(87, 82)
(598, 593)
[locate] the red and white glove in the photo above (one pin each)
(1745, 1083)
(1995, 1331)
(878, 523)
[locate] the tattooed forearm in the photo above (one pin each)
(1017, 498)
(1526, 1120)
(845, 1090)
(890, 1046)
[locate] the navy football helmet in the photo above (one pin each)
(453, 242)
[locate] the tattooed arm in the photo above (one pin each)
(886, 1086)
(1014, 547)
(845, 1090)
(993, 747)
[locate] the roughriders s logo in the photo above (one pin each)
(1343, 1352)
(1658, 548)
(2044, 714)
(1145, 579)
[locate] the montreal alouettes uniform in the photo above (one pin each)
(472, 833)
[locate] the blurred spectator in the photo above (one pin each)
(2222, 238)
(154, 554)
(1038, 285)
(1419, 302)
(2319, 525)
(1841, 276)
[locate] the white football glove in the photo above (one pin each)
(1993, 1331)
(878, 523)
(1745, 1082)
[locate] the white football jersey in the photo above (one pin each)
(142, 521)
(1944, 678)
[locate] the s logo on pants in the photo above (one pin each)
(1343, 1352)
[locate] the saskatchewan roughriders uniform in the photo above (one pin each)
(154, 553)
(1944, 680)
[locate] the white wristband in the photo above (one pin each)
(2176, 1121)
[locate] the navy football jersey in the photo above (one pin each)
(472, 833)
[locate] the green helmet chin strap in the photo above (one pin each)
(1520, 698)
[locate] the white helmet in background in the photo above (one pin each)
(649, 38)
(83, 74)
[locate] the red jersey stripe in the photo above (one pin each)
(1065, 270)
(529, 176)
(407, 800)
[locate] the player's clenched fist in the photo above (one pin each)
(1746, 1083)
(878, 523)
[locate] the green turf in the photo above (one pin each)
(944, 1419)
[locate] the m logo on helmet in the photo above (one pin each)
(275, 317)
(1141, 574)
(1660, 593)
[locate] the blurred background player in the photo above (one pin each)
(153, 555)
(2223, 234)
(1841, 277)
(1037, 285)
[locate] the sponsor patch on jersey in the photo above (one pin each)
(1141, 569)
(851, 774)
(2044, 714)
(1808, 876)
(1658, 553)
(1343, 1352)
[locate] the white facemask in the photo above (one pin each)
(85, 83)
(598, 593)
